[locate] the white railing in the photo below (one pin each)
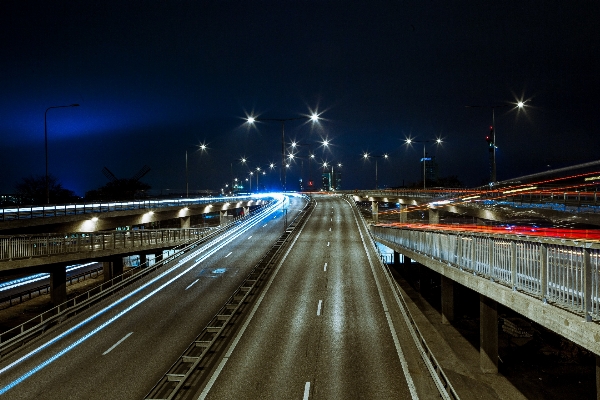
(563, 272)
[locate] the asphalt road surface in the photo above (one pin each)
(321, 329)
(123, 352)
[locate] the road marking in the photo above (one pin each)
(325, 267)
(228, 254)
(264, 225)
(191, 284)
(331, 219)
(306, 391)
(329, 229)
(327, 244)
(116, 344)
(319, 307)
(233, 345)
(250, 237)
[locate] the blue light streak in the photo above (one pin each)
(217, 242)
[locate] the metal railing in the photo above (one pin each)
(30, 246)
(59, 210)
(564, 272)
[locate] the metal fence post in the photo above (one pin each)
(544, 272)
(587, 286)
(513, 264)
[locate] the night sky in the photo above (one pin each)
(155, 78)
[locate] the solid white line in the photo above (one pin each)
(306, 391)
(327, 244)
(319, 307)
(250, 237)
(329, 229)
(116, 344)
(217, 372)
(325, 267)
(228, 254)
(264, 225)
(191, 284)
(411, 385)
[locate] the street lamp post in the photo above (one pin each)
(202, 148)
(519, 104)
(437, 141)
(46, 145)
(366, 157)
(314, 117)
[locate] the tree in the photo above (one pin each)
(32, 190)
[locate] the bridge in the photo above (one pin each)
(342, 324)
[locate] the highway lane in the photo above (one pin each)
(126, 358)
(321, 330)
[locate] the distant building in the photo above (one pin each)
(337, 180)
(326, 181)
(430, 170)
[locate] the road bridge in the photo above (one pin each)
(551, 281)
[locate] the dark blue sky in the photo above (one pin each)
(154, 78)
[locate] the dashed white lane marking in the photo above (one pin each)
(329, 229)
(116, 344)
(331, 219)
(325, 267)
(192, 284)
(327, 244)
(306, 391)
(319, 307)
(250, 237)
(264, 225)
(228, 254)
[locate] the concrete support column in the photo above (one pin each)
(375, 212)
(434, 216)
(447, 300)
(406, 260)
(58, 284)
(143, 259)
(424, 279)
(223, 217)
(185, 222)
(396, 259)
(246, 210)
(107, 270)
(488, 335)
(598, 377)
(403, 215)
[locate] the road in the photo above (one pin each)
(123, 352)
(321, 330)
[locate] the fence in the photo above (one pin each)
(563, 272)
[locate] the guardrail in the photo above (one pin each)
(59, 210)
(443, 384)
(564, 272)
(21, 334)
(31, 246)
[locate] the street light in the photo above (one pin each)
(314, 117)
(437, 141)
(366, 157)
(202, 148)
(520, 104)
(46, 145)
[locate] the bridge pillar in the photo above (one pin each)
(58, 284)
(488, 335)
(375, 212)
(185, 222)
(434, 216)
(112, 267)
(424, 279)
(447, 300)
(246, 211)
(143, 258)
(402, 213)
(597, 375)
(406, 260)
(396, 259)
(223, 220)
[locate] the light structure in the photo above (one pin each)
(437, 141)
(46, 144)
(201, 148)
(366, 156)
(492, 138)
(313, 117)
